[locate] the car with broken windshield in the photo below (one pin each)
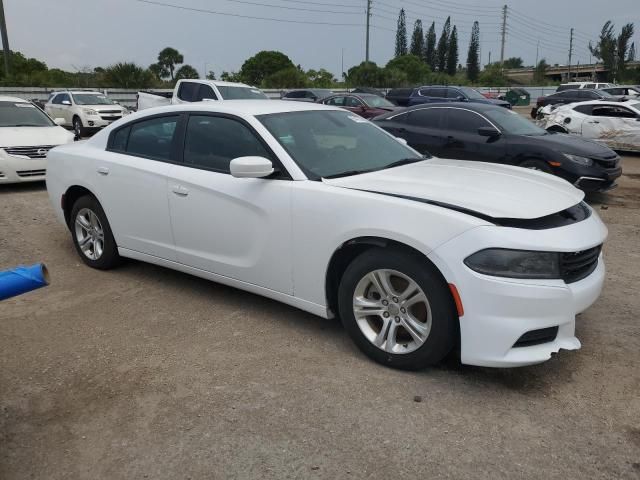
(319, 208)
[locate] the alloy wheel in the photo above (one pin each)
(392, 311)
(89, 234)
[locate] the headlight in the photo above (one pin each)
(502, 262)
(587, 162)
(89, 111)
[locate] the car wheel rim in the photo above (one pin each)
(392, 311)
(77, 127)
(89, 234)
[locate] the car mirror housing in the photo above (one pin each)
(251, 167)
(489, 132)
(402, 141)
(66, 102)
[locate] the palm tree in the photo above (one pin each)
(127, 75)
(169, 58)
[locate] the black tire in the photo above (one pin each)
(444, 320)
(534, 113)
(109, 257)
(537, 165)
(78, 127)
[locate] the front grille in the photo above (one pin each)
(101, 112)
(110, 117)
(31, 173)
(578, 265)
(537, 337)
(31, 152)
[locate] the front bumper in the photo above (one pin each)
(19, 170)
(498, 311)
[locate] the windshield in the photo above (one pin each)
(91, 99)
(331, 143)
(241, 93)
(512, 122)
(472, 93)
(605, 93)
(23, 114)
(377, 102)
(636, 106)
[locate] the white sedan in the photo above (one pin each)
(616, 124)
(320, 209)
(26, 136)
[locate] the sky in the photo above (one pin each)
(80, 34)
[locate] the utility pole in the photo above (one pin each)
(570, 52)
(342, 64)
(503, 32)
(537, 51)
(5, 39)
(368, 18)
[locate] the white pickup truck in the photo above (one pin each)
(187, 91)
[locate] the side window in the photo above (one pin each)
(454, 93)
(205, 91)
(309, 94)
(188, 91)
(297, 94)
(612, 112)
(212, 142)
(62, 97)
(119, 140)
(353, 102)
(57, 99)
(585, 109)
(427, 117)
(426, 92)
(465, 121)
(153, 138)
(590, 85)
(437, 92)
(336, 101)
(588, 94)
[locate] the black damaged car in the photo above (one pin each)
(494, 134)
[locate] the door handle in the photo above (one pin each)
(103, 170)
(180, 190)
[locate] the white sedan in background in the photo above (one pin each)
(616, 124)
(318, 208)
(26, 136)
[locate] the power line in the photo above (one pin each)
(292, 8)
(549, 26)
(213, 12)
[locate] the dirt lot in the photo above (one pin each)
(144, 372)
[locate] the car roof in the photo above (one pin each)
(241, 107)
(6, 98)
(480, 107)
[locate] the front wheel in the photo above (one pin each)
(397, 309)
(78, 127)
(538, 165)
(92, 234)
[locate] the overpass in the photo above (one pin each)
(560, 73)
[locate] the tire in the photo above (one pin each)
(92, 235)
(434, 322)
(78, 128)
(537, 165)
(534, 113)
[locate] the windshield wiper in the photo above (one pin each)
(397, 163)
(348, 173)
(24, 125)
(404, 161)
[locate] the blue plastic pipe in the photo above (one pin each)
(23, 279)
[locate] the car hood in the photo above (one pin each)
(33, 136)
(564, 143)
(495, 191)
(495, 101)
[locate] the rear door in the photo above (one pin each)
(239, 228)
(464, 142)
(424, 130)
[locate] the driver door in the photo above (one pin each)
(235, 227)
(615, 125)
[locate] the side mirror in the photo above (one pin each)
(65, 102)
(59, 121)
(489, 132)
(402, 141)
(251, 167)
(460, 98)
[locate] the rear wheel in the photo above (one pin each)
(536, 165)
(397, 309)
(92, 234)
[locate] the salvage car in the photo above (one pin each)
(614, 124)
(84, 111)
(629, 91)
(319, 208)
(487, 133)
(439, 94)
(366, 105)
(189, 91)
(570, 96)
(26, 136)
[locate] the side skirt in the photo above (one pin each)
(314, 308)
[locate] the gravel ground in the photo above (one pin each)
(143, 372)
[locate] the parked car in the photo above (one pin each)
(26, 136)
(307, 94)
(571, 96)
(373, 91)
(314, 207)
(629, 91)
(439, 94)
(189, 91)
(488, 133)
(364, 104)
(616, 124)
(581, 85)
(400, 96)
(84, 111)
